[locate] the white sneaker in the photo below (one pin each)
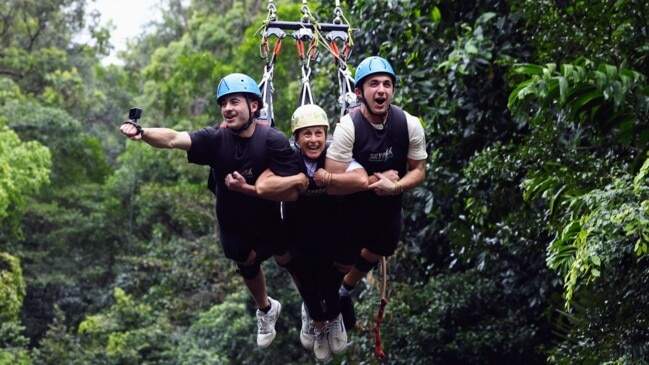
(266, 324)
(337, 335)
(307, 334)
(321, 344)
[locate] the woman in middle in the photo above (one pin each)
(311, 227)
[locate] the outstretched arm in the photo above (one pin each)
(158, 137)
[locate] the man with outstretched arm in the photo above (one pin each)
(238, 152)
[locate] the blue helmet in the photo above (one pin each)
(373, 65)
(236, 84)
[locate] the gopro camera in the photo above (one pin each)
(135, 114)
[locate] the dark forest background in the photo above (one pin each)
(527, 242)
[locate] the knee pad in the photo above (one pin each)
(249, 271)
(363, 265)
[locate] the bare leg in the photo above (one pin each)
(257, 288)
(257, 285)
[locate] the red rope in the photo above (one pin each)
(278, 47)
(379, 318)
(300, 48)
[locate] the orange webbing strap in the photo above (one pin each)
(278, 47)
(379, 318)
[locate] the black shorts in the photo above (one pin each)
(265, 241)
(379, 235)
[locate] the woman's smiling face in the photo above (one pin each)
(312, 141)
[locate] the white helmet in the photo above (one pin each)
(308, 115)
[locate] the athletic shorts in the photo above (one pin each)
(379, 235)
(265, 241)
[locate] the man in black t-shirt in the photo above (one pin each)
(238, 152)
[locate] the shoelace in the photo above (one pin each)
(332, 328)
(321, 335)
(263, 323)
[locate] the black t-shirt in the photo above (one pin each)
(310, 222)
(315, 210)
(226, 152)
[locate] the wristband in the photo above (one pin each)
(137, 126)
(398, 189)
(327, 179)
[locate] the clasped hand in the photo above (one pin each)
(235, 182)
(385, 183)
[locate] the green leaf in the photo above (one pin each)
(528, 69)
(609, 70)
(563, 90)
(595, 260)
(470, 48)
(585, 100)
(436, 14)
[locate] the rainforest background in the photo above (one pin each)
(527, 242)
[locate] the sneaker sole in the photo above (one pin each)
(269, 343)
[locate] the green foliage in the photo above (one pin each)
(9, 90)
(471, 273)
(35, 44)
(611, 100)
(603, 105)
(13, 345)
(76, 156)
(604, 325)
(24, 168)
(591, 121)
(463, 316)
(59, 346)
(607, 224)
(12, 290)
(130, 333)
(219, 334)
(605, 31)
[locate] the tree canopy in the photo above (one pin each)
(526, 243)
